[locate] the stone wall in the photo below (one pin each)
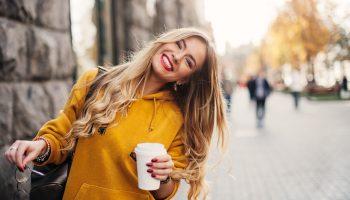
(36, 69)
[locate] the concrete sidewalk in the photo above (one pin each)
(298, 155)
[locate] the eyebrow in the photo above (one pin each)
(194, 60)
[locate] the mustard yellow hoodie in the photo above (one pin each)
(102, 167)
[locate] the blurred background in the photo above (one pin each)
(285, 66)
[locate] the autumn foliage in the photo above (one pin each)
(296, 36)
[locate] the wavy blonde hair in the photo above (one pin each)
(200, 100)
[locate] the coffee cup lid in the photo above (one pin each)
(147, 148)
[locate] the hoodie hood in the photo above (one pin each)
(161, 95)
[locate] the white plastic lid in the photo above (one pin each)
(150, 148)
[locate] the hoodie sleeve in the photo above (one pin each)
(55, 129)
(177, 153)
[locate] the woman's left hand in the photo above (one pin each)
(161, 167)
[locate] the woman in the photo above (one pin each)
(168, 93)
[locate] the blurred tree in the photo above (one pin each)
(253, 62)
(339, 41)
(296, 36)
(338, 48)
(343, 42)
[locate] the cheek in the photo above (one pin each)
(185, 72)
(155, 60)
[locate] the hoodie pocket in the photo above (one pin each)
(93, 192)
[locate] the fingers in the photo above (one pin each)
(22, 152)
(161, 172)
(7, 156)
(162, 158)
(160, 167)
(159, 177)
(10, 153)
(22, 147)
(31, 156)
(16, 152)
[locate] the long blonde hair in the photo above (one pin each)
(200, 101)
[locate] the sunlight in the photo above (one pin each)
(242, 22)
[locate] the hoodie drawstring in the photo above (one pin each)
(151, 128)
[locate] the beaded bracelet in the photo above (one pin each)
(43, 157)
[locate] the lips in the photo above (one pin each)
(166, 63)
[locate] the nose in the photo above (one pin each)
(177, 57)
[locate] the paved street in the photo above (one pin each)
(298, 155)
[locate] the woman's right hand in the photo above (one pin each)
(21, 152)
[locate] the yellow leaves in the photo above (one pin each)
(296, 36)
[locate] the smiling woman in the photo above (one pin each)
(133, 103)
(176, 61)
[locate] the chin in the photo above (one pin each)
(157, 71)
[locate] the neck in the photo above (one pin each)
(152, 85)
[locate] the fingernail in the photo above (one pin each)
(149, 170)
(149, 164)
(154, 160)
(153, 175)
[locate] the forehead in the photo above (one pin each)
(197, 48)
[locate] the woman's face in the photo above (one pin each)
(175, 62)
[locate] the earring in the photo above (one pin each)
(175, 85)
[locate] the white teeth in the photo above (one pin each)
(166, 62)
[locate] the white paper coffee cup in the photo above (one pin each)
(145, 152)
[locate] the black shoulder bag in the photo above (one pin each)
(51, 186)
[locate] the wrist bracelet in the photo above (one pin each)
(43, 157)
(165, 181)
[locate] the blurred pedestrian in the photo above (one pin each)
(250, 86)
(261, 90)
(337, 88)
(344, 84)
(296, 87)
(228, 84)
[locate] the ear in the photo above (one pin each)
(182, 81)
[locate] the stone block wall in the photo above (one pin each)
(37, 66)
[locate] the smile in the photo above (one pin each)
(165, 61)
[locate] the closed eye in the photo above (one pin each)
(178, 43)
(189, 63)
